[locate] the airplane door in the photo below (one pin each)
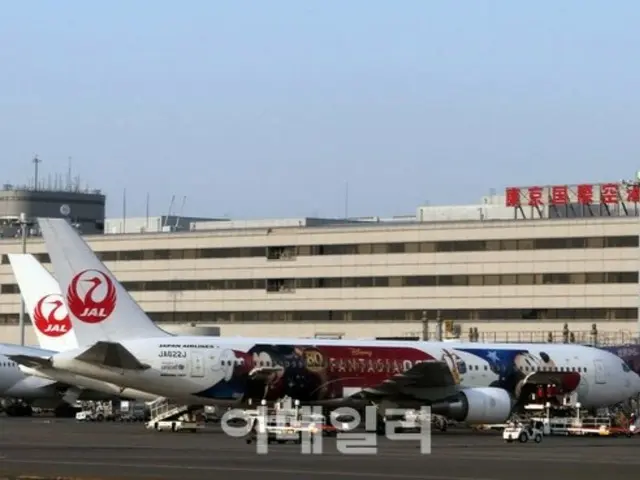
(601, 374)
(197, 364)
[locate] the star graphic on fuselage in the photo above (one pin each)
(493, 356)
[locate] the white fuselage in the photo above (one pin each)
(209, 370)
(17, 381)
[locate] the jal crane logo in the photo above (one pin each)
(51, 317)
(91, 296)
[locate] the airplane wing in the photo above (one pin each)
(28, 386)
(431, 374)
(32, 361)
(113, 355)
(101, 354)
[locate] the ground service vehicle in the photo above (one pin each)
(177, 426)
(522, 433)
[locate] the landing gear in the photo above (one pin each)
(19, 410)
(381, 424)
(65, 411)
(440, 423)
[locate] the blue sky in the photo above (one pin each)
(268, 109)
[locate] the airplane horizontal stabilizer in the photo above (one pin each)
(111, 354)
(31, 361)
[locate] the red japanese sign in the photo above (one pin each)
(513, 197)
(633, 193)
(585, 194)
(609, 193)
(565, 195)
(559, 195)
(535, 196)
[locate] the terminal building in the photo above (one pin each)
(517, 267)
(85, 208)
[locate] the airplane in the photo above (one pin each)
(467, 382)
(48, 389)
(630, 353)
(36, 391)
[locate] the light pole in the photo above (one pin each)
(24, 224)
(175, 294)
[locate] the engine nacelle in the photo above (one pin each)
(477, 405)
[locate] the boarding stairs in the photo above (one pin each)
(163, 409)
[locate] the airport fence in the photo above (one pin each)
(587, 337)
(582, 337)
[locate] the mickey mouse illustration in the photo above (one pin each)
(456, 365)
(527, 363)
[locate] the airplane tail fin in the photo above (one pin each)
(99, 306)
(44, 303)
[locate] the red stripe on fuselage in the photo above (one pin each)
(328, 369)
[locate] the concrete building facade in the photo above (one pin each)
(370, 279)
(85, 208)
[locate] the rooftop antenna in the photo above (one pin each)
(36, 162)
(180, 212)
(69, 173)
(346, 200)
(166, 219)
(147, 210)
(124, 211)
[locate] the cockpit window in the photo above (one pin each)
(625, 368)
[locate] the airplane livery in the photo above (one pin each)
(479, 383)
(52, 325)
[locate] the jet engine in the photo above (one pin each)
(477, 405)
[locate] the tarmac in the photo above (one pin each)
(52, 448)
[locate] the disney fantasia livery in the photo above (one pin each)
(470, 382)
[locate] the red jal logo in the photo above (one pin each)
(51, 317)
(91, 296)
